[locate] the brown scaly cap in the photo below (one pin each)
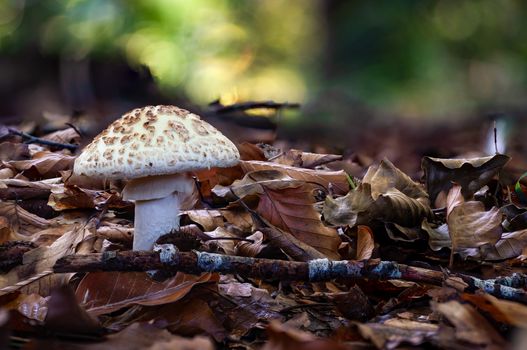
(155, 140)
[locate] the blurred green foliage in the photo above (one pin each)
(411, 57)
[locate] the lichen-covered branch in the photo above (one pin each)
(166, 257)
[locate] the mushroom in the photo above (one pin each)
(155, 147)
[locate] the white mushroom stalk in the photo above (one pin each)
(158, 202)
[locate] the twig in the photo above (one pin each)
(243, 106)
(316, 270)
(34, 139)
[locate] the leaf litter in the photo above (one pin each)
(278, 204)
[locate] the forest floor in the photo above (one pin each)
(288, 249)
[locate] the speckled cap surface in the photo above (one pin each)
(155, 140)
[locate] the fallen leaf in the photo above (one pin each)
(470, 226)
(392, 333)
(38, 262)
(13, 151)
(365, 243)
(65, 136)
(471, 174)
(510, 245)
(282, 337)
(292, 209)
(105, 292)
(438, 237)
(385, 194)
(504, 311)
(208, 219)
(288, 204)
(64, 197)
(44, 164)
(253, 184)
(338, 179)
(22, 221)
(298, 158)
(65, 315)
(137, 336)
(244, 248)
(470, 326)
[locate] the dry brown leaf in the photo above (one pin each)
(227, 245)
(105, 292)
(338, 179)
(365, 243)
(38, 263)
(510, 245)
(138, 336)
(470, 326)
(385, 194)
(253, 184)
(454, 198)
(471, 174)
(298, 158)
(66, 136)
(238, 217)
(44, 164)
(251, 249)
(292, 209)
(504, 311)
(22, 221)
(288, 204)
(470, 226)
(13, 151)
(72, 197)
(208, 219)
(438, 237)
(250, 151)
(283, 337)
(392, 333)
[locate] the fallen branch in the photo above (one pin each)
(166, 257)
(243, 106)
(33, 139)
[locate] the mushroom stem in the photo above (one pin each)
(155, 218)
(158, 201)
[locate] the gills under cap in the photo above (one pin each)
(155, 140)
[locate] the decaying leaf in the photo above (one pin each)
(288, 204)
(292, 209)
(338, 179)
(254, 182)
(510, 245)
(471, 174)
(283, 337)
(105, 292)
(73, 197)
(208, 219)
(22, 221)
(470, 326)
(43, 164)
(244, 248)
(365, 243)
(298, 158)
(470, 226)
(38, 263)
(504, 311)
(391, 333)
(438, 237)
(386, 194)
(67, 136)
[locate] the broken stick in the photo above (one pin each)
(166, 257)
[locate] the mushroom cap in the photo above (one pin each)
(155, 140)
